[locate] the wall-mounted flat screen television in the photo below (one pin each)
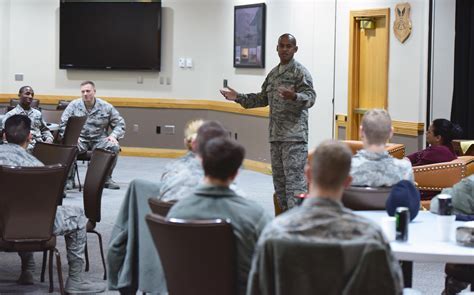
(110, 35)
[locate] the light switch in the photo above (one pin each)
(19, 77)
(181, 62)
(189, 62)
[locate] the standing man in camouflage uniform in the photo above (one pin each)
(39, 131)
(321, 220)
(288, 90)
(69, 221)
(373, 166)
(101, 116)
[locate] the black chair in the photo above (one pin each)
(51, 116)
(73, 130)
(15, 101)
(96, 176)
(71, 135)
(159, 207)
(365, 198)
(27, 215)
(198, 256)
(62, 104)
(50, 154)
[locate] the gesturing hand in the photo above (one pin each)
(229, 93)
(287, 93)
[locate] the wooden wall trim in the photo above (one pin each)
(400, 127)
(158, 103)
(176, 153)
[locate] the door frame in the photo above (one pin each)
(354, 65)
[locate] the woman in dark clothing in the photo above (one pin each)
(439, 136)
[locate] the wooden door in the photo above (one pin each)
(368, 65)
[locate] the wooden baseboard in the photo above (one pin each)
(156, 103)
(176, 153)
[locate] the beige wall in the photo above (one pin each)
(29, 45)
(255, 141)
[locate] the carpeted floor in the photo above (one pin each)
(428, 277)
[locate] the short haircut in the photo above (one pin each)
(190, 131)
(208, 131)
(17, 129)
(377, 126)
(330, 165)
(222, 157)
(22, 89)
(290, 37)
(88, 83)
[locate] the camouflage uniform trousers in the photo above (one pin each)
(69, 222)
(84, 145)
(288, 161)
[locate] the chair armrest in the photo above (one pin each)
(435, 177)
(396, 150)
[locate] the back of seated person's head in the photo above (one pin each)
(190, 132)
(376, 126)
(208, 131)
(221, 158)
(447, 130)
(17, 129)
(330, 166)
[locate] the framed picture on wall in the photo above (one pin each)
(249, 36)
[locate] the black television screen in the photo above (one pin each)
(110, 35)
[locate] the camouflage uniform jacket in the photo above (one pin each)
(462, 194)
(180, 178)
(247, 217)
(39, 131)
(288, 119)
(379, 169)
(318, 221)
(15, 155)
(102, 116)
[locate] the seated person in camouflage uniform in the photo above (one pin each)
(39, 131)
(70, 221)
(101, 116)
(373, 166)
(178, 181)
(221, 159)
(458, 276)
(321, 219)
(186, 172)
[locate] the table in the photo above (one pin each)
(423, 244)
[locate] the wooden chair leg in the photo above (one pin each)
(50, 271)
(60, 272)
(86, 254)
(43, 266)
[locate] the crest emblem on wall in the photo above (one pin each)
(402, 24)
